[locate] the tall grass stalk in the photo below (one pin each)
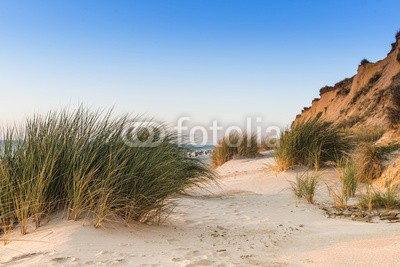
(347, 176)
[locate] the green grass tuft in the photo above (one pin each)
(347, 176)
(310, 143)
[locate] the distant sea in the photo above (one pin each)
(203, 152)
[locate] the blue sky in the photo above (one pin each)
(207, 59)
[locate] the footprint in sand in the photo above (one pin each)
(23, 257)
(65, 259)
(192, 259)
(203, 262)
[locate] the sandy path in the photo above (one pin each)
(252, 219)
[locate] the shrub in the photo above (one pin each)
(310, 143)
(6, 207)
(235, 145)
(81, 161)
(305, 186)
(364, 61)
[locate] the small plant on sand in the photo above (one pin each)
(305, 186)
(235, 145)
(339, 196)
(310, 143)
(348, 183)
(347, 176)
(388, 199)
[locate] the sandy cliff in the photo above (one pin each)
(369, 98)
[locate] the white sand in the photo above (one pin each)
(251, 220)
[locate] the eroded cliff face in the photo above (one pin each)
(370, 98)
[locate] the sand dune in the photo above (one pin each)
(250, 219)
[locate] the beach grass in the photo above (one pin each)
(305, 186)
(233, 146)
(389, 198)
(347, 176)
(348, 183)
(339, 196)
(310, 143)
(80, 162)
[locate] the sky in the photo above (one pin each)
(209, 60)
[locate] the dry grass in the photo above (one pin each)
(340, 198)
(233, 146)
(366, 134)
(367, 162)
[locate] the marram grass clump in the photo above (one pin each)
(310, 143)
(81, 161)
(235, 145)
